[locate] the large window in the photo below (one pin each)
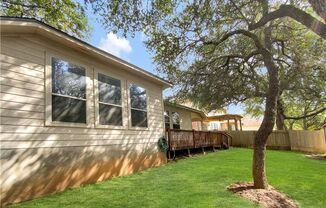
(167, 119)
(176, 120)
(68, 92)
(138, 105)
(213, 126)
(109, 101)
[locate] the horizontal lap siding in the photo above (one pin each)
(50, 172)
(13, 90)
(22, 101)
(37, 159)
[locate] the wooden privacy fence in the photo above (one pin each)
(189, 139)
(299, 140)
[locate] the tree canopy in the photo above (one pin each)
(302, 85)
(184, 37)
(66, 15)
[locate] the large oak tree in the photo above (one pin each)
(217, 52)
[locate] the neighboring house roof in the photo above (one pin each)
(224, 117)
(250, 123)
(31, 25)
(202, 114)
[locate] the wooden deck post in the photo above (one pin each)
(193, 138)
(212, 138)
(169, 142)
(240, 125)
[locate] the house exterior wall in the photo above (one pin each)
(38, 158)
(220, 126)
(185, 117)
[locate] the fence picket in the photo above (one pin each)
(299, 140)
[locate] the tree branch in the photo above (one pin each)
(250, 55)
(305, 116)
(241, 13)
(304, 18)
(247, 33)
(319, 7)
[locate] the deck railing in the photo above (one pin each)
(188, 139)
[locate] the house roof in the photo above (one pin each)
(224, 117)
(31, 25)
(202, 114)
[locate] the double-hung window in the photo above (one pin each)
(138, 106)
(167, 119)
(109, 100)
(68, 92)
(175, 120)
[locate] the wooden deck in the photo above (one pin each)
(190, 139)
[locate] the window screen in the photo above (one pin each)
(110, 104)
(68, 92)
(138, 104)
(167, 119)
(176, 120)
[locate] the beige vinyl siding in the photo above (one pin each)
(23, 100)
(31, 150)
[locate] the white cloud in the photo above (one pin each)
(115, 45)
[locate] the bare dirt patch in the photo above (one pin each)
(269, 198)
(317, 157)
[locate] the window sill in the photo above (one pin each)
(66, 124)
(139, 128)
(110, 127)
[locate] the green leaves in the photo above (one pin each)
(66, 15)
(184, 37)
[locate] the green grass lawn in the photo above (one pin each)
(199, 181)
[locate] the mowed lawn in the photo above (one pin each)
(199, 181)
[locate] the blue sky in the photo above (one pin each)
(132, 50)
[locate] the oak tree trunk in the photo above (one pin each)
(266, 128)
(280, 125)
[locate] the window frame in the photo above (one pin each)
(48, 91)
(130, 108)
(97, 102)
(169, 116)
(179, 119)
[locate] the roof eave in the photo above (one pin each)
(186, 108)
(35, 26)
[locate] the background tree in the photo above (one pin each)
(305, 114)
(207, 49)
(303, 88)
(65, 15)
